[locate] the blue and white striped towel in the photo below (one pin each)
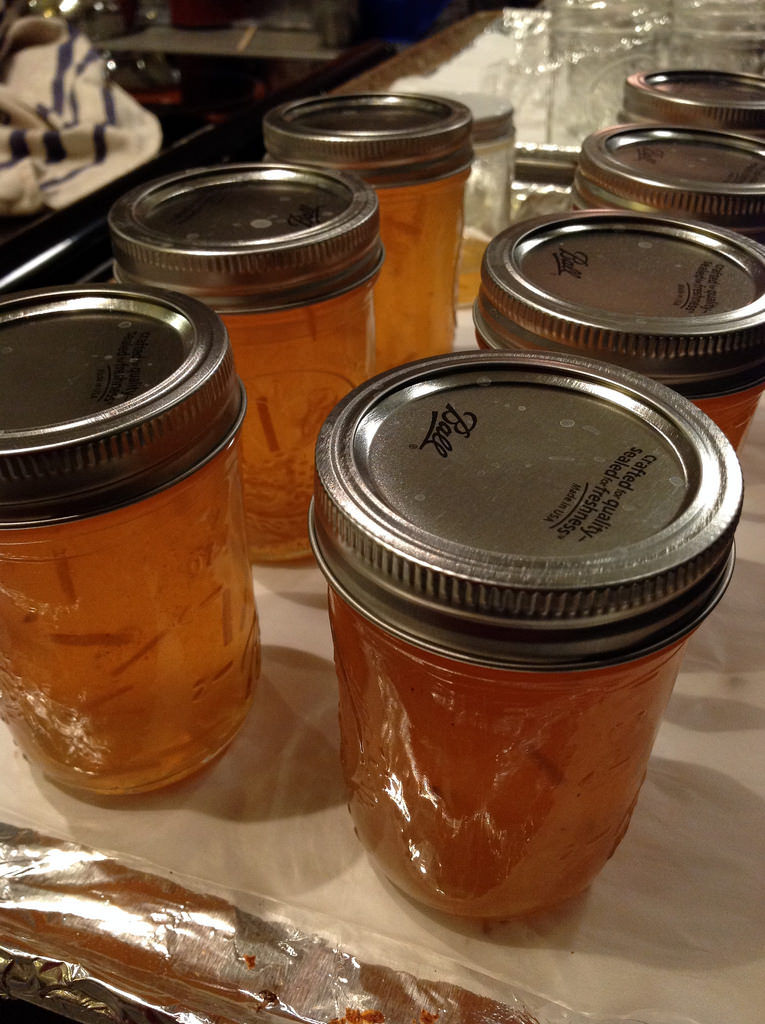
(64, 129)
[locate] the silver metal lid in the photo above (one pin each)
(249, 236)
(525, 510)
(723, 100)
(107, 394)
(713, 176)
(678, 300)
(388, 138)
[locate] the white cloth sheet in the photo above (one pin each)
(672, 931)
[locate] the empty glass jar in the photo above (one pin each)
(488, 189)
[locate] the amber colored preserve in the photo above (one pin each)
(287, 256)
(517, 547)
(491, 792)
(129, 640)
(733, 413)
(296, 364)
(416, 152)
(416, 293)
(681, 301)
(469, 281)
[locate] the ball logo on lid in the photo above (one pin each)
(569, 262)
(442, 425)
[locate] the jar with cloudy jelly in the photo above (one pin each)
(129, 640)
(704, 98)
(517, 548)
(678, 300)
(713, 176)
(288, 256)
(416, 152)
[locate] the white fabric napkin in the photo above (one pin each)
(65, 130)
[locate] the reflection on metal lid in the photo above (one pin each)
(107, 394)
(252, 236)
(725, 100)
(520, 508)
(676, 299)
(714, 176)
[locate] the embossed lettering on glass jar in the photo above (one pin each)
(288, 257)
(517, 547)
(416, 151)
(128, 630)
(720, 100)
(712, 176)
(678, 300)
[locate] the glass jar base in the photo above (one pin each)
(118, 784)
(490, 909)
(291, 553)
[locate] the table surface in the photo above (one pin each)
(672, 930)
(241, 41)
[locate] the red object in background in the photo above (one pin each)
(205, 13)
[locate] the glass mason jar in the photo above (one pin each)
(508, 619)
(488, 190)
(722, 34)
(721, 100)
(416, 152)
(129, 640)
(678, 300)
(594, 46)
(288, 257)
(717, 177)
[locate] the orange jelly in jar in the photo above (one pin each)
(517, 548)
(678, 300)
(288, 256)
(129, 643)
(733, 413)
(530, 748)
(415, 296)
(332, 343)
(416, 152)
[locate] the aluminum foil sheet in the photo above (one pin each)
(98, 941)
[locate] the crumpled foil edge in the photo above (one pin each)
(101, 942)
